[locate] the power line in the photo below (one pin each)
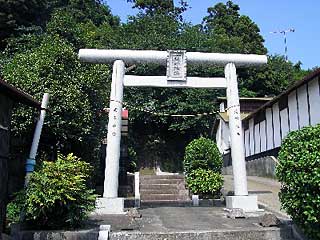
(168, 114)
(284, 32)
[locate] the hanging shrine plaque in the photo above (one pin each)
(177, 65)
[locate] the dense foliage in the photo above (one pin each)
(57, 195)
(205, 183)
(78, 93)
(299, 173)
(39, 41)
(202, 166)
(204, 154)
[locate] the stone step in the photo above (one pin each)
(283, 233)
(166, 203)
(160, 197)
(161, 181)
(162, 187)
(164, 191)
(161, 176)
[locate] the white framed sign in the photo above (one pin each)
(177, 65)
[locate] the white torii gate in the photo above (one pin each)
(176, 62)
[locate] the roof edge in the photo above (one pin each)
(18, 95)
(296, 85)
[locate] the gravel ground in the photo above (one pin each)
(267, 190)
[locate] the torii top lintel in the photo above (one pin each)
(160, 57)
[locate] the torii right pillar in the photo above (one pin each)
(241, 199)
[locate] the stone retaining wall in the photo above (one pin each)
(261, 167)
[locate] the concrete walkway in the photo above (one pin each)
(267, 190)
(187, 223)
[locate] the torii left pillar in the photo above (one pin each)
(111, 203)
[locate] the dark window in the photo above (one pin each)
(260, 116)
(283, 102)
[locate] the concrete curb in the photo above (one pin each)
(273, 233)
(101, 233)
(297, 233)
(277, 213)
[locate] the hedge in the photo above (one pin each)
(299, 174)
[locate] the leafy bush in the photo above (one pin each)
(299, 173)
(78, 93)
(202, 153)
(202, 165)
(57, 195)
(204, 182)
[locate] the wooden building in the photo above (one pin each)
(221, 126)
(297, 107)
(265, 125)
(9, 95)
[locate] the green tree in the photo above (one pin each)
(20, 17)
(272, 79)
(152, 7)
(84, 10)
(82, 34)
(15, 14)
(232, 32)
(78, 94)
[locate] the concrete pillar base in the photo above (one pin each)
(109, 206)
(247, 203)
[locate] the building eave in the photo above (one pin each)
(18, 95)
(295, 86)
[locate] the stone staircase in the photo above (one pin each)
(168, 190)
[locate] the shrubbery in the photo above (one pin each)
(57, 195)
(204, 182)
(202, 165)
(299, 173)
(202, 153)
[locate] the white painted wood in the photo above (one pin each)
(314, 101)
(269, 124)
(293, 111)
(38, 130)
(284, 123)
(161, 81)
(222, 107)
(225, 137)
(251, 134)
(160, 57)
(256, 139)
(219, 136)
(30, 162)
(137, 189)
(263, 136)
(276, 125)
(247, 142)
(235, 126)
(111, 182)
(303, 106)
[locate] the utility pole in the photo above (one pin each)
(284, 32)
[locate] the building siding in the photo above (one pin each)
(276, 125)
(314, 92)
(293, 111)
(263, 136)
(303, 106)
(298, 108)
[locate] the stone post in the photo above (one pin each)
(241, 198)
(110, 203)
(111, 182)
